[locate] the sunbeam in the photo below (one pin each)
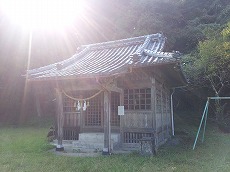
(42, 14)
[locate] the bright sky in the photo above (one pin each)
(42, 14)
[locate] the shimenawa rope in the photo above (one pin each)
(80, 99)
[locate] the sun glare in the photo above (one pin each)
(42, 14)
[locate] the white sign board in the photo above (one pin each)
(121, 110)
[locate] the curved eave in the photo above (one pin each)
(172, 71)
(175, 75)
(85, 76)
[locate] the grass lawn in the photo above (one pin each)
(25, 149)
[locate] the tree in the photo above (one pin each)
(209, 66)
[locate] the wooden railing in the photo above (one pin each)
(70, 133)
(134, 137)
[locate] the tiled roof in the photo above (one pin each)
(108, 58)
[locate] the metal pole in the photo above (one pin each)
(194, 145)
(216, 98)
(205, 121)
(205, 114)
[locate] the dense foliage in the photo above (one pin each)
(196, 28)
(209, 65)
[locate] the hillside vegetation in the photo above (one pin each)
(197, 28)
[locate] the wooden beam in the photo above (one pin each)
(114, 88)
(110, 85)
(81, 87)
(60, 119)
(107, 125)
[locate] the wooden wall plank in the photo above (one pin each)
(138, 119)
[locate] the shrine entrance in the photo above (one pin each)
(87, 115)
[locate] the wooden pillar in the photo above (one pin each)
(37, 101)
(60, 119)
(107, 125)
(154, 110)
(122, 118)
(172, 115)
(167, 115)
(162, 113)
(81, 119)
(153, 102)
